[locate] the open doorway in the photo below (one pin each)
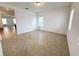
(7, 19)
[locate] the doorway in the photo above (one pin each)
(7, 19)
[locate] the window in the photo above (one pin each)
(4, 20)
(41, 21)
(14, 21)
(71, 17)
(34, 22)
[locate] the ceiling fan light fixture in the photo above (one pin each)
(38, 3)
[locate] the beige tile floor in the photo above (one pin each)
(35, 43)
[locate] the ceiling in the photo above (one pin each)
(45, 7)
(6, 11)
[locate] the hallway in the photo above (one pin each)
(35, 43)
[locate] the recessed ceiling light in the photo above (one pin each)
(7, 9)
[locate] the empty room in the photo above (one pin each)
(39, 29)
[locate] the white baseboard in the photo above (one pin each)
(52, 31)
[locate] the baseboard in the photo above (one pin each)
(41, 30)
(52, 32)
(26, 32)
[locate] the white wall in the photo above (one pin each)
(1, 52)
(25, 21)
(73, 34)
(56, 20)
